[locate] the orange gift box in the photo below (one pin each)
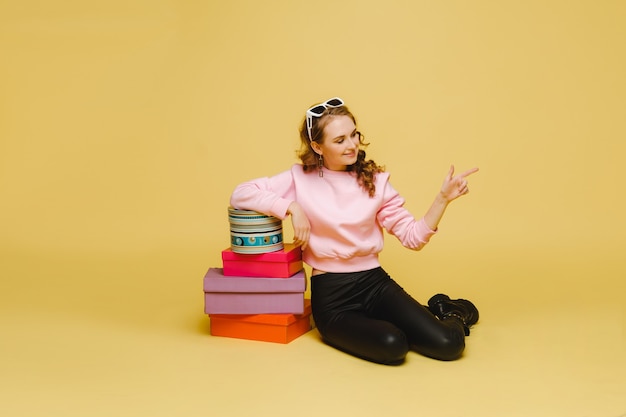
(278, 328)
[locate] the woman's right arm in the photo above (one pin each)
(268, 195)
(274, 196)
(301, 225)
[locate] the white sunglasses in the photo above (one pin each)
(318, 110)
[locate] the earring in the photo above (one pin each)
(320, 165)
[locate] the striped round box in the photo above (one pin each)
(252, 232)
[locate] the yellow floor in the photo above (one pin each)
(126, 336)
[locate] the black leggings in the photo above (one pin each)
(368, 315)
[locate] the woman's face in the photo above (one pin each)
(340, 144)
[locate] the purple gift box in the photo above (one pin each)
(253, 295)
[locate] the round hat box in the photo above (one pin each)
(253, 232)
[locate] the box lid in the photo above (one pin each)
(215, 281)
(276, 319)
(290, 252)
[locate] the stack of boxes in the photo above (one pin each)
(258, 294)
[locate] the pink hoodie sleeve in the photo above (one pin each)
(267, 195)
(399, 222)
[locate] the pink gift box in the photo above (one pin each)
(280, 264)
(252, 295)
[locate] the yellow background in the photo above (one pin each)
(125, 125)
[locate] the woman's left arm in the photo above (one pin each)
(454, 186)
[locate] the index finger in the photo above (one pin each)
(468, 172)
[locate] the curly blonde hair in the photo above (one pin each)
(365, 170)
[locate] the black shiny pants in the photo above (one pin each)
(368, 315)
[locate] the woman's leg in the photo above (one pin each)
(427, 335)
(374, 340)
(370, 316)
(338, 302)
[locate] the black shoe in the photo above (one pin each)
(443, 307)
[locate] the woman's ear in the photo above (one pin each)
(316, 148)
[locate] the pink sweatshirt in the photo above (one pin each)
(346, 223)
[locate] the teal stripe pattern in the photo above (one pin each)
(253, 233)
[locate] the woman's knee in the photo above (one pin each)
(450, 345)
(387, 346)
(393, 347)
(452, 349)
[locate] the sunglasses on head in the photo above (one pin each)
(318, 110)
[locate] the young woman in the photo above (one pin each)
(339, 203)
